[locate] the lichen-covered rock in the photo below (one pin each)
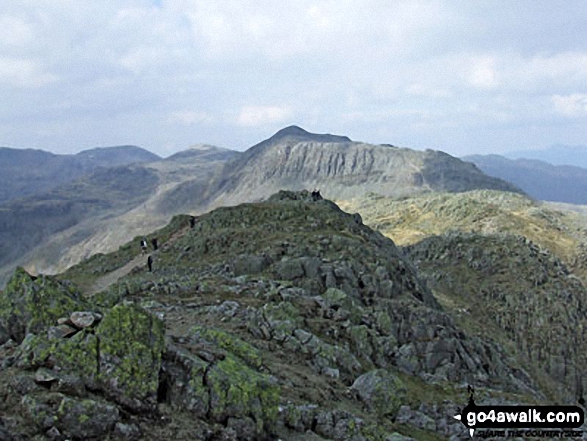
(182, 381)
(84, 319)
(30, 304)
(131, 342)
(78, 419)
(230, 343)
(381, 391)
(237, 390)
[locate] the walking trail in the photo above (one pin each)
(106, 280)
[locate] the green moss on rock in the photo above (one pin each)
(78, 419)
(131, 342)
(246, 352)
(30, 304)
(381, 391)
(237, 390)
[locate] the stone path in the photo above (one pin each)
(105, 281)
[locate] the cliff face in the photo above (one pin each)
(294, 159)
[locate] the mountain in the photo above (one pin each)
(24, 172)
(100, 211)
(558, 155)
(501, 264)
(560, 229)
(287, 319)
(203, 178)
(295, 159)
(562, 183)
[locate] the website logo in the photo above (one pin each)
(562, 421)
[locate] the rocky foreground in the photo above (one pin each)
(287, 319)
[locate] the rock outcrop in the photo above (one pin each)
(287, 319)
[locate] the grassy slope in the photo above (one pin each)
(410, 220)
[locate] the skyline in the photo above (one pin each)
(453, 76)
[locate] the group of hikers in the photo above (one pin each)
(144, 250)
(155, 245)
(316, 196)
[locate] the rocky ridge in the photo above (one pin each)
(319, 328)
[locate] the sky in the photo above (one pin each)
(465, 77)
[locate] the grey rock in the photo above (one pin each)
(45, 376)
(289, 269)
(381, 391)
(84, 319)
(61, 331)
(127, 431)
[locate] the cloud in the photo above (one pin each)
(189, 117)
(483, 74)
(254, 116)
(404, 67)
(15, 32)
(24, 73)
(574, 105)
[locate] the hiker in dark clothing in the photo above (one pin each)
(192, 221)
(316, 195)
(155, 244)
(150, 263)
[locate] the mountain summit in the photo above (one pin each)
(295, 159)
(301, 134)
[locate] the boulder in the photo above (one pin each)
(31, 304)
(131, 342)
(75, 418)
(381, 391)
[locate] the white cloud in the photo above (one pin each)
(24, 73)
(483, 73)
(253, 116)
(427, 91)
(189, 117)
(571, 105)
(14, 32)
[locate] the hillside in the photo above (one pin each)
(25, 172)
(287, 319)
(575, 155)
(295, 159)
(205, 177)
(503, 265)
(521, 294)
(97, 213)
(562, 183)
(556, 228)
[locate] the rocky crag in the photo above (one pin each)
(295, 159)
(287, 319)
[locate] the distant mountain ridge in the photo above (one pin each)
(558, 155)
(539, 179)
(24, 172)
(295, 159)
(198, 180)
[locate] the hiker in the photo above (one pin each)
(150, 263)
(192, 221)
(316, 195)
(155, 244)
(144, 246)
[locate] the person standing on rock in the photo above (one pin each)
(155, 243)
(150, 263)
(192, 221)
